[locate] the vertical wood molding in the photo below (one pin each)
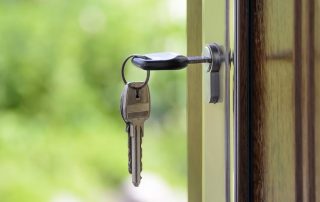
(242, 181)
(278, 103)
(258, 97)
(316, 83)
(311, 102)
(194, 101)
(307, 96)
(297, 98)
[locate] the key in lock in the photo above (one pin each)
(213, 56)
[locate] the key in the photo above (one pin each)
(129, 149)
(135, 111)
(166, 61)
(127, 130)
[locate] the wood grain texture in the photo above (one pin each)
(308, 100)
(257, 96)
(316, 77)
(297, 53)
(194, 101)
(281, 128)
(242, 178)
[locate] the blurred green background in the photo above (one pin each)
(60, 84)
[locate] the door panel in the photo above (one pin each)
(214, 123)
(217, 124)
(278, 103)
(316, 77)
(273, 75)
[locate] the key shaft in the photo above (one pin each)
(198, 59)
(167, 61)
(136, 153)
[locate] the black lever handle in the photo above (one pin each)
(166, 61)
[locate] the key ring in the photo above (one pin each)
(124, 79)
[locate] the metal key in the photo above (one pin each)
(135, 111)
(167, 61)
(127, 129)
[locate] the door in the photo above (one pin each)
(263, 143)
(278, 100)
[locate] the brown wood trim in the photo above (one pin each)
(250, 165)
(241, 59)
(308, 101)
(298, 102)
(304, 58)
(194, 101)
(250, 182)
(257, 97)
(311, 102)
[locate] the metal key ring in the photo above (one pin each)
(124, 79)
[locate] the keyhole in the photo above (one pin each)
(137, 94)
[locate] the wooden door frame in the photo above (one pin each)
(242, 88)
(248, 180)
(249, 160)
(205, 155)
(194, 102)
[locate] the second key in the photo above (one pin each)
(136, 110)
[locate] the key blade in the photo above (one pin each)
(136, 154)
(135, 110)
(129, 149)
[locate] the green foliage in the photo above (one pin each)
(60, 127)
(61, 49)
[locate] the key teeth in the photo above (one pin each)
(129, 152)
(129, 168)
(141, 149)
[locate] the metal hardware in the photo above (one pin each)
(216, 53)
(124, 79)
(212, 57)
(166, 61)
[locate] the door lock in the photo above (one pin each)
(213, 56)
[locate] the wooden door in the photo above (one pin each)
(278, 136)
(276, 103)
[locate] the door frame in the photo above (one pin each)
(209, 176)
(194, 102)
